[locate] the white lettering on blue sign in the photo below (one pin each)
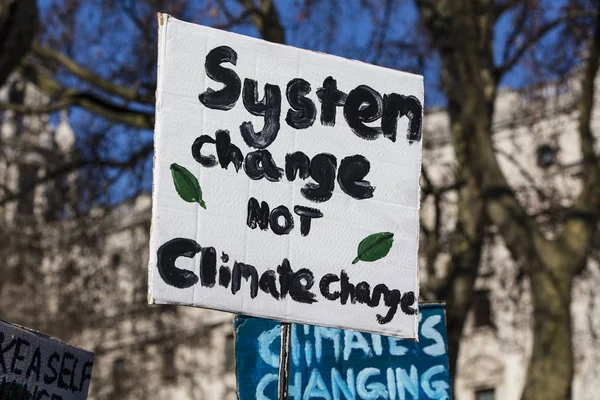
(391, 383)
(355, 340)
(333, 364)
(428, 331)
(377, 346)
(437, 389)
(295, 390)
(407, 383)
(264, 347)
(395, 348)
(338, 385)
(327, 333)
(308, 353)
(316, 387)
(370, 391)
(262, 385)
(399, 384)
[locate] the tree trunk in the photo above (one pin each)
(550, 370)
(458, 303)
(18, 26)
(470, 87)
(467, 243)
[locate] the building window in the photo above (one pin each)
(229, 353)
(56, 199)
(119, 372)
(16, 95)
(485, 394)
(27, 179)
(169, 373)
(482, 309)
(115, 260)
(546, 156)
(70, 271)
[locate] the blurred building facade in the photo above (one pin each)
(537, 145)
(83, 278)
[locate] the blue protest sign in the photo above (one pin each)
(335, 364)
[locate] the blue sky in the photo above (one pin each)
(106, 42)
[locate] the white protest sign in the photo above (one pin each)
(286, 183)
(37, 366)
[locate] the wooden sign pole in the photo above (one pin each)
(284, 361)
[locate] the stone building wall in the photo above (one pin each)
(536, 139)
(84, 279)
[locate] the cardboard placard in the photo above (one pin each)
(334, 364)
(37, 366)
(286, 183)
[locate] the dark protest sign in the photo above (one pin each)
(35, 366)
(334, 364)
(286, 183)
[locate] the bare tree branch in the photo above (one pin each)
(129, 7)
(128, 94)
(76, 165)
(64, 97)
(533, 39)
(266, 19)
(503, 6)
(583, 220)
(380, 34)
(234, 21)
(530, 179)
(517, 30)
(18, 27)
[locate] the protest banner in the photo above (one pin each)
(286, 183)
(34, 366)
(334, 364)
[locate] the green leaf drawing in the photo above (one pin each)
(187, 185)
(374, 247)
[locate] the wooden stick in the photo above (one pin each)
(284, 361)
